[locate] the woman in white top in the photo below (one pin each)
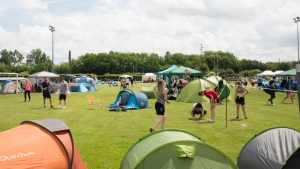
(198, 108)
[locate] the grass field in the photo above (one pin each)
(103, 137)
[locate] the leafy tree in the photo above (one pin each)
(17, 57)
(63, 68)
(36, 56)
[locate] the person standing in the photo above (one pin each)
(259, 83)
(198, 108)
(288, 87)
(272, 89)
(27, 89)
(162, 97)
(214, 99)
(240, 99)
(45, 88)
(131, 82)
(63, 93)
(220, 85)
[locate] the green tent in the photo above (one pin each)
(291, 72)
(180, 72)
(150, 92)
(226, 93)
(174, 149)
(190, 92)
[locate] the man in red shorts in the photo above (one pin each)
(214, 99)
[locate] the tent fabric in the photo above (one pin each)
(169, 69)
(43, 74)
(229, 95)
(130, 100)
(274, 148)
(9, 88)
(190, 92)
(149, 75)
(291, 72)
(55, 88)
(174, 149)
(267, 73)
(78, 87)
(150, 92)
(43, 144)
(180, 71)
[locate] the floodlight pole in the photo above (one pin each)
(296, 20)
(52, 29)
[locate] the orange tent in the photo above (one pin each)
(46, 144)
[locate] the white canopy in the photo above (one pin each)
(125, 76)
(43, 74)
(267, 73)
(149, 75)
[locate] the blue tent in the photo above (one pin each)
(167, 70)
(78, 87)
(130, 100)
(5, 82)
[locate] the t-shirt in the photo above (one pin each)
(194, 107)
(46, 86)
(207, 93)
(271, 83)
(259, 80)
(63, 87)
(295, 83)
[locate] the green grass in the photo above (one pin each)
(103, 137)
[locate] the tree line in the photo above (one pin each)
(211, 62)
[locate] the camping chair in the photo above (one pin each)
(92, 101)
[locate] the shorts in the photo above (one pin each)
(62, 97)
(46, 95)
(245, 83)
(240, 100)
(217, 101)
(259, 84)
(294, 88)
(160, 108)
(199, 112)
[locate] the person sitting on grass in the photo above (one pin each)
(198, 108)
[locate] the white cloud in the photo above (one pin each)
(260, 30)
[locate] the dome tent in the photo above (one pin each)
(190, 92)
(130, 100)
(43, 144)
(174, 149)
(274, 148)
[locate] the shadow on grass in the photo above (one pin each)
(237, 119)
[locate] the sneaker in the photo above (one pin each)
(44, 106)
(246, 117)
(210, 121)
(51, 106)
(268, 102)
(24, 100)
(151, 130)
(59, 106)
(64, 107)
(273, 104)
(237, 117)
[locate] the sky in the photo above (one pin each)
(249, 29)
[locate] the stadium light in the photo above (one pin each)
(52, 29)
(296, 20)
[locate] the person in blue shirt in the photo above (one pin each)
(45, 88)
(288, 88)
(259, 83)
(294, 86)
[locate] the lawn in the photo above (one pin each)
(103, 137)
